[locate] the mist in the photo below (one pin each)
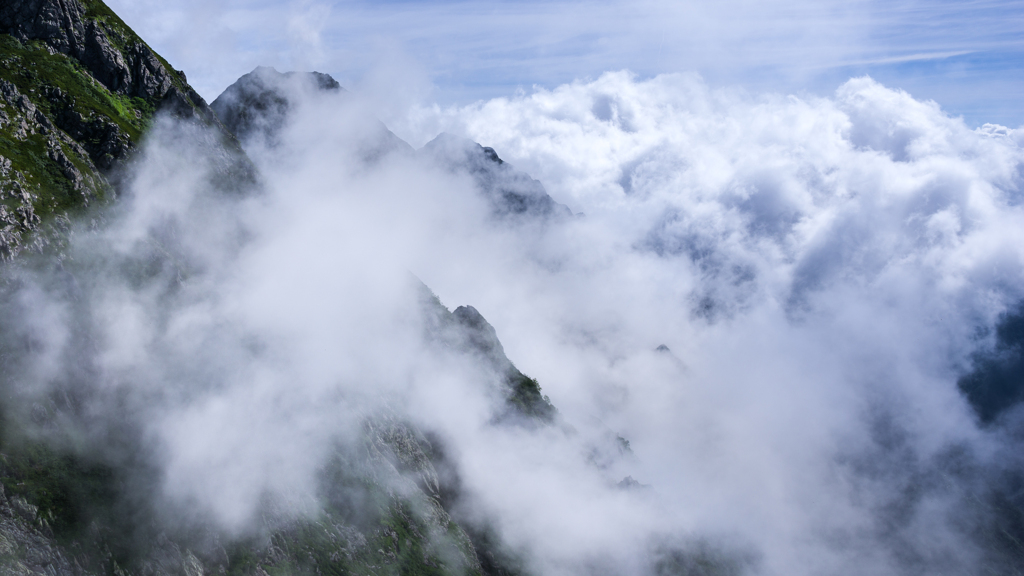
(754, 326)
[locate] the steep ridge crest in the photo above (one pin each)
(78, 89)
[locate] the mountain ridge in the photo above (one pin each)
(78, 93)
(257, 106)
(78, 90)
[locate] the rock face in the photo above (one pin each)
(388, 500)
(467, 331)
(78, 89)
(94, 36)
(511, 193)
(381, 512)
(27, 544)
(258, 106)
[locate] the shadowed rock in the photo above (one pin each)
(467, 331)
(510, 192)
(258, 106)
(107, 48)
(258, 103)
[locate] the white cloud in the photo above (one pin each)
(844, 250)
(819, 267)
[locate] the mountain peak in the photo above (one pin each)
(511, 192)
(258, 103)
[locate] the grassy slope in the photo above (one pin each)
(35, 71)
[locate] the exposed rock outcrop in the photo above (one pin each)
(510, 192)
(102, 139)
(466, 331)
(78, 89)
(258, 106)
(258, 103)
(95, 37)
(27, 544)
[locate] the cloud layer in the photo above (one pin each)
(770, 298)
(822, 267)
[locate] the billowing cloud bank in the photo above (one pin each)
(824, 268)
(821, 272)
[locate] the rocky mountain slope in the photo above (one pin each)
(78, 92)
(388, 502)
(257, 106)
(78, 89)
(511, 192)
(256, 109)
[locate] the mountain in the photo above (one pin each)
(467, 331)
(257, 106)
(388, 503)
(78, 90)
(510, 192)
(207, 370)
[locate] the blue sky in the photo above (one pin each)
(968, 56)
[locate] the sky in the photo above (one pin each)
(967, 56)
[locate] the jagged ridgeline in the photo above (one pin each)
(389, 498)
(79, 495)
(78, 88)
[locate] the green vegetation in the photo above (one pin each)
(71, 127)
(33, 70)
(525, 397)
(67, 489)
(97, 10)
(364, 529)
(123, 37)
(54, 193)
(59, 127)
(83, 502)
(372, 520)
(57, 84)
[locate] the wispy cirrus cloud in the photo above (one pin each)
(966, 56)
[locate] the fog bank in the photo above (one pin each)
(772, 299)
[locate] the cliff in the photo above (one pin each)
(78, 89)
(78, 92)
